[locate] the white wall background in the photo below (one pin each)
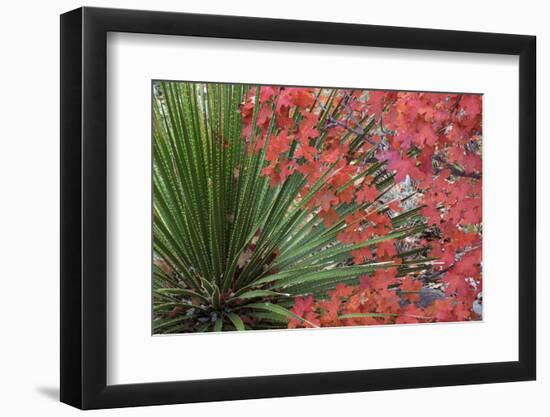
(29, 226)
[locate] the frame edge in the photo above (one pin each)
(70, 215)
(527, 136)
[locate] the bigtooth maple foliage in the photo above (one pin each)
(388, 159)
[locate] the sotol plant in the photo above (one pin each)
(232, 251)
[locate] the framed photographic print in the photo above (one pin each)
(257, 208)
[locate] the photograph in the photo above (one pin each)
(292, 207)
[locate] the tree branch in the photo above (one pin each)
(331, 122)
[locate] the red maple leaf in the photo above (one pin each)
(468, 265)
(284, 100)
(302, 97)
(326, 199)
(471, 103)
(266, 92)
(286, 169)
(329, 217)
(385, 249)
(366, 194)
(306, 151)
(264, 115)
(443, 310)
(411, 287)
(402, 165)
(361, 255)
(278, 145)
(382, 278)
(388, 302)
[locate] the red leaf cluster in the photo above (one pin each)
(430, 142)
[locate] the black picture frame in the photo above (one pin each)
(84, 207)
